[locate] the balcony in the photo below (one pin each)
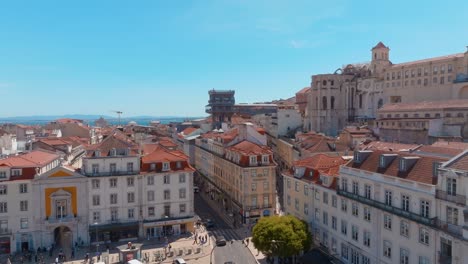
(111, 173)
(257, 207)
(444, 258)
(458, 199)
(67, 219)
(393, 210)
(5, 231)
(454, 230)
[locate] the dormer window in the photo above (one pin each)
(253, 160)
(95, 168)
(16, 172)
(178, 164)
(97, 153)
(402, 164)
(165, 166)
(451, 186)
(113, 152)
(382, 162)
(3, 174)
(153, 166)
(265, 159)
(357, 157)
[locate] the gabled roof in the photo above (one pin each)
(188, 131)
(388, 146)
(320, 162)
(460, 162)
(117, 140)
(160, 154)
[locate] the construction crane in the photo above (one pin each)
(118, 113)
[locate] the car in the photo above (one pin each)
(220, 241)
(179, 261)
(209, 223)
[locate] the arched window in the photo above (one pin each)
(332, 102)
(380, 103)
(375, 55)
(324, 82)
(316, 103)
(324, 102)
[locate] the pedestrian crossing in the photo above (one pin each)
(229, 234)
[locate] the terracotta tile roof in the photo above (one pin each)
(388, 146)
(3, 132)
(117, 141)
(426, 105)
(188, 131)
(160, 154)
(248, 148)
(304, 90)
(315, 143)
(460, 163)
(421, 171)
(36, 158)
(379, 45)
(434, 59)
(320, 162)
(68, 120)
(357, 130)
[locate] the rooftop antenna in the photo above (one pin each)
(118, 113)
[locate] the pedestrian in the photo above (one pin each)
(247, 241)
(73, 253)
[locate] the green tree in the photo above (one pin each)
(281, 236)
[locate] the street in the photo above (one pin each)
(235, 251)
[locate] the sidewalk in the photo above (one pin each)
(245, 232)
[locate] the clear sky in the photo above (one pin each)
(161, 57)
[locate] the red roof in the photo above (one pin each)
(188, 131)
(248, 148)
(36, 158)
(117, 140)
(389, 146)
(461, 163)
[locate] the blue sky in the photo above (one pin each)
(162, 57)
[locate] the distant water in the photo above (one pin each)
(123, 121)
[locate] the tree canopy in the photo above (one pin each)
(281, 236)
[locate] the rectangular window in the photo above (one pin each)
(112, 168)
(182, 193)
(130, 182)
(131, 197)
(3, 207)
(387, 249)
(150, 195)
(266, 201)
(114, 214)
(388, 221)
(367, 238)
(424, 235)
(153, 166)
(266, 186)
(355, 209)
(182, 208)
(96, 217)
(355, 187)
(289, 184)
(405, 202)
(306, 209)
(425, 208)
(167, 210)
(367, 191)
(254, 202)
(167, 179)
(2, 174)
(344, 184)
(388, 197)
(288, 199)
(296, 187)
(365, 260)
(344, 227)
(96, 200)
(423, 260)
(325, 218)
(355, 233)
(3, 189)
(182, 178)
(317, 195)
(129, 166)
(23, 206)
(404, 228)
(150, 180)
(24, 222)
(325, 197)
(254, 173)
(344, 251)
(113, 182)
(166, 166)
(95, 183)
(452, 215)
(23, 188)
(131, 213)
(344, 205)
(317, 214)
(451, 186)
(404, 256)
(151, 211)
(167, 194)
(254, 187)
(296, 203)
(95, 168)
(367, 214)
(334, 201)
(113, 198)
(334, 222)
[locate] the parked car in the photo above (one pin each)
(220, 241)
(179, 261)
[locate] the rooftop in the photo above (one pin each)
(248, 148)
(36, 158)
(426, 105)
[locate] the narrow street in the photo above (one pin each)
(234, 250)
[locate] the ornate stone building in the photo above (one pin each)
(353, 93)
